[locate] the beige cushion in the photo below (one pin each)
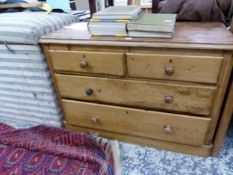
(28, 27)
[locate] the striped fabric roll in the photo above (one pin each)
(28, 27)
(26, 90)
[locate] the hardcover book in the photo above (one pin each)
(118, 12)
(153, 23)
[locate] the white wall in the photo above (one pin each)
(82, 5)
(100, 4)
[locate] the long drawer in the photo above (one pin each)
(155, 125)
(108, 63)
(202, 69)
(163, 96)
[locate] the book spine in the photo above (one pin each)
(116, 35)
(88, 27)
(100, 20)
(149, 28)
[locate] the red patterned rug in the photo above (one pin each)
(43, 150)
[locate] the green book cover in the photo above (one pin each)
(118, 12)
(156, 19)
(153, 22)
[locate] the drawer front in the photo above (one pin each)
(173, 97)
(154, 125)
(183, 68)
(88, 62)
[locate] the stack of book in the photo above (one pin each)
(113, 21)
(152, 25)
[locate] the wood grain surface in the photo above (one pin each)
(186, 98)
(108, 63)
(180, 128)
(187, 35)
(186, 68)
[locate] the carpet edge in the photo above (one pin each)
(116, 156)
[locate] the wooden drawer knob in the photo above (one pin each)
(94, 120)
(169, 70)
(89, 91)
(168, 129)
(168, 99)
(83, 63)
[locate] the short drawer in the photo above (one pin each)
(163, 96)
(88, 62)
(155, 125)
(202, 69)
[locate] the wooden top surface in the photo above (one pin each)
(187, 35)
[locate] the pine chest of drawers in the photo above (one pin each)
(165, 93)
